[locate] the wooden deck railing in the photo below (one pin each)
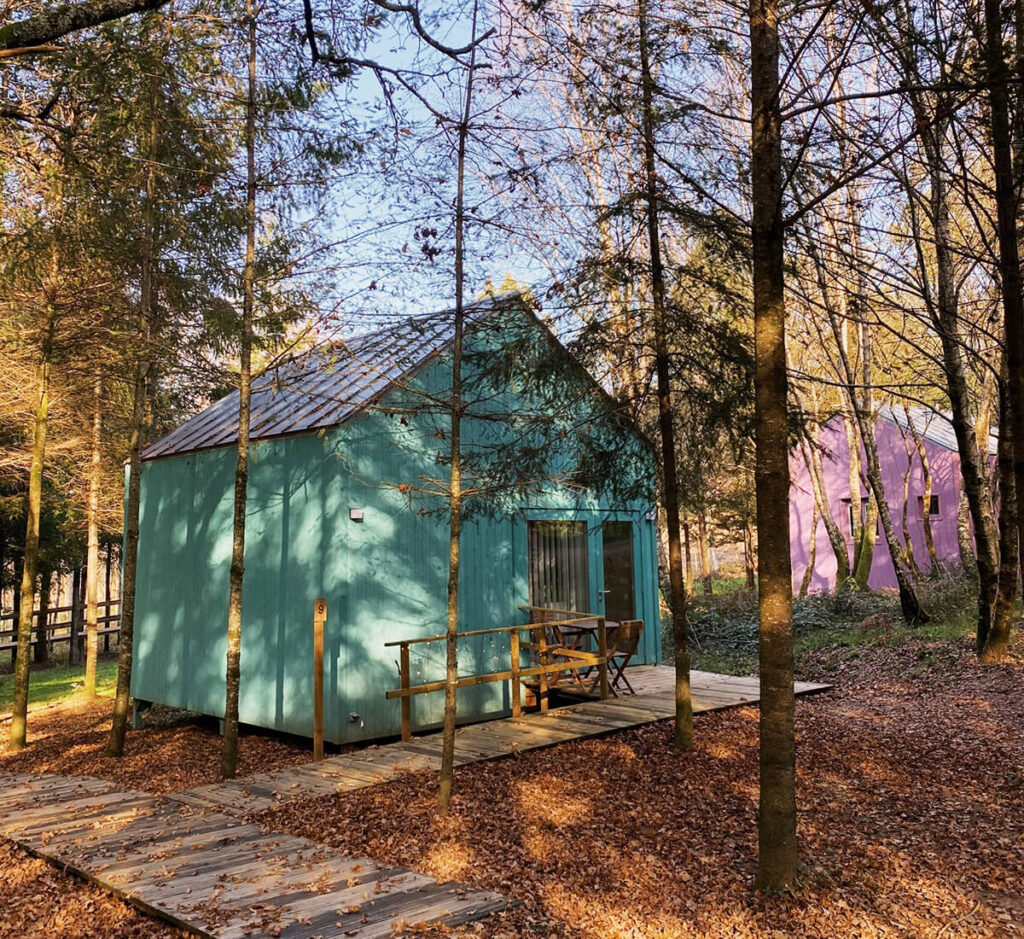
(553, 661)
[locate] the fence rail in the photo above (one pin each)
(63, 624)
(551, 663)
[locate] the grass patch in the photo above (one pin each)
(48, 685)
(724, 627)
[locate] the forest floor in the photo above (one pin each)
(173, 751)
(38, 900)
(911, 778)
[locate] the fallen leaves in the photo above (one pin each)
(174, 753)
(910, 821)
(39, 900)
(911, 775)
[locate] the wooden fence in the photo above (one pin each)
(65, 624)
(553, 662)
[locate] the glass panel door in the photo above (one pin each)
(619, 592)
(558, 565)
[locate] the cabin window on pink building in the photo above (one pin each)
(933, 507)
(848, 514)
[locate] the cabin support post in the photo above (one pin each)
(319, 618)
(602, 651)
(139, 708)
(517, 703)
(403, 668)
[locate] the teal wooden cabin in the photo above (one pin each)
(345, 501)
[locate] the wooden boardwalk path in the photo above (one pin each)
(194, 859)
(654, 701)
(216, 875)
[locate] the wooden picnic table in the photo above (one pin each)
(582, 637)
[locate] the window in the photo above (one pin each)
(933, 507)
(558, 565)
(851, 523)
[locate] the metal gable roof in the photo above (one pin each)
(933, 426)
(326, 386)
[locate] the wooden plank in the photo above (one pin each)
(303, 905)
(192, 883)
(143, 858)
(31, 823)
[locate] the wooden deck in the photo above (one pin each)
(194, 859)
(654, 701)
(216, 875)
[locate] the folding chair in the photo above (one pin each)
(557, 652)
(623, 641)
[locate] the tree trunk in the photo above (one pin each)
(973, 463)
(106, 593)
(964, 541)
(140, 394)
(867, 511)
(812, 552)
(860, 534)
(19, 569)
(688, 578)
(451, 676)
(233, 673)
(75, 642)
(704, 547)
(998, 640)
(777, 845)
(748, 554)
(913, 612)
(812, 457)
(926, 499)
(42, 649)
(19, 707)
(905, 520)
(93, 560)
(683, 736)
(664, 583)
(1009, 256)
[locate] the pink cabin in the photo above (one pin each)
(898, 454)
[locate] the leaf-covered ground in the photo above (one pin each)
(911, 786)
(171, 753)
(38, 900)
(911, 791)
